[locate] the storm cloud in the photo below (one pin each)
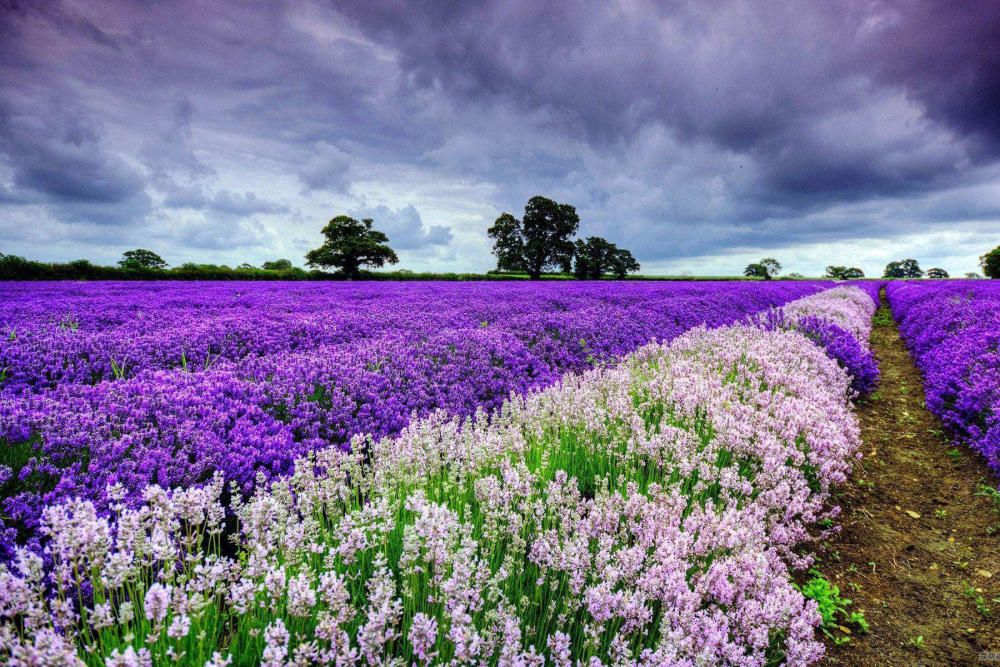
(699, 134)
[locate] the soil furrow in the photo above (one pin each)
(919, 551)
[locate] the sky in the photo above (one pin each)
(701, 135)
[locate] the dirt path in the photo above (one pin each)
(918, 545)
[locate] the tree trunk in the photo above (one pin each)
(353, 271)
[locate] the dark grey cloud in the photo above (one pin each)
(54, 153)
(947, 55)
(793, 87)
(222, 202)
(683, 130)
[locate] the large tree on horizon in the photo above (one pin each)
(351, 244)
(541, 240)
(990, 262)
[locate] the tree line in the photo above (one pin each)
(542, 240)
(14, 267)
(903, 269)
(907, 269)
(142, 264)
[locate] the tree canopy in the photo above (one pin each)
(508, 243)
(277, 265)
(623, 263)
(541, 240)
(597, 256)
(766, 268)
(141, 259)
(990, 262)
(907, 268)
(844, 273)
(351, 244)
(937, 273)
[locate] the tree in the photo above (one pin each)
(854, 273)
(772, 267)
(14, 267)
(937, 273)
(540, 240)
(277, 265)
(593, 257)
(991, 263)
(907, 268)
(844, 273)
(508, 243)
(349, 245)
(973, 276)
(835, 272)
(623, 263)
(766, 268)
(597, 256)
(141, 259)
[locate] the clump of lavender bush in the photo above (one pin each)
(845, 349)
(838, 320)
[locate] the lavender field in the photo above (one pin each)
(414, 473)
(140, 384)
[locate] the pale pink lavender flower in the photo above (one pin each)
(301, 596)
(422, 637)
(217, 660)
(129, 658)
(179, 626)
(157, 603)
(275, 645)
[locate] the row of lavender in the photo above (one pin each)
(138, 384)
(953, 330)
(59, 333)
(647, 513)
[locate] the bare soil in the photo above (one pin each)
(918, 544)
